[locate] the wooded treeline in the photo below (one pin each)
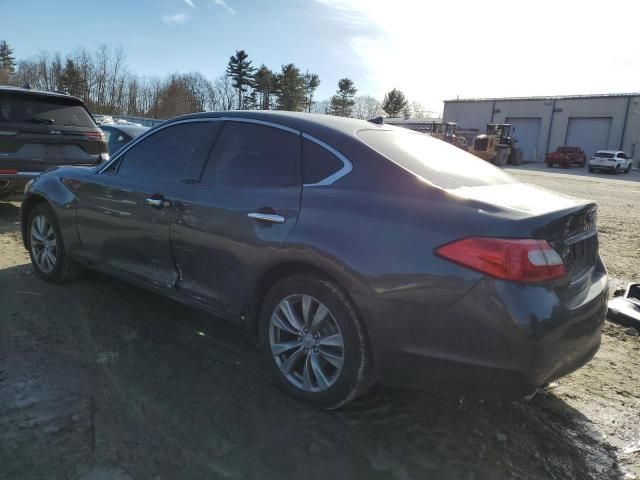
(102, 79)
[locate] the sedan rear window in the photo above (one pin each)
(434, 160)
(604, 155)
(60, 112)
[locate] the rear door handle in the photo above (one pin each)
(266, 217)
(157, 202)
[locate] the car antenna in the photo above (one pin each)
(377, 120)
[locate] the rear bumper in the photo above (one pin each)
(500, 341)
(15, 183)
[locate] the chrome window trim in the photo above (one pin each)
(347, 166)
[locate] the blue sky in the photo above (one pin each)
(430, 50)
(161, 36)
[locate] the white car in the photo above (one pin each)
(615, 161)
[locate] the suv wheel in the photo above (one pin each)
(315, 341)
(46, 247)
(616, 170)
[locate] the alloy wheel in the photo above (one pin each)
(43, 244)
(306, 343)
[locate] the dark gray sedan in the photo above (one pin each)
(357, 252)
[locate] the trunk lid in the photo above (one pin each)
(568, 224)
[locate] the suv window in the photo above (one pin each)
(176, 153)
(604, 155)
(253, 156)
(32, 109)
(318, 163)
(621, 155)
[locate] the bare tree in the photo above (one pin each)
(366, 107)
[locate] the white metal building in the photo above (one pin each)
(541, 124)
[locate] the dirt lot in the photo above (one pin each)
(101, 380)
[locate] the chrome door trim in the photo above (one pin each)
(261, 122)
(266, 217)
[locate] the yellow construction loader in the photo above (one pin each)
(447, 131)
(496, 145)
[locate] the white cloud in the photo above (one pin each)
(224, 5)
(190, 3)
(175, 19)
(434, 51)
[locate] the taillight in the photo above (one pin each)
(95, 136)
(516, 260)
(8, 172)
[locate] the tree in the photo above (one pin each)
(264, 85)
(71, 79)
(290, 89)
(7, 62)
(394, 103)
(366, 107)
(342, 102)
(311, 83)
(241, 71)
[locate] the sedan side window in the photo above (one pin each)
(253, 156)
(175, 153)
(318, 163)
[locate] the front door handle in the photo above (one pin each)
(266, 217)
(157, 202)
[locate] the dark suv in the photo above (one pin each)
(39, 130)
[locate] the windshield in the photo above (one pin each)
(433, 160)
(566, 150)
(40, 110)
(604, 155)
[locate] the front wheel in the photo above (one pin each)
(46, 247)
(616, 170)
(315, 341)
(628, 169)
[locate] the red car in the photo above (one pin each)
(565, 157)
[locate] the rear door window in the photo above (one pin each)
(249, 155)
(31, 109)
(433, 160)
(174, 153)
(318, 163)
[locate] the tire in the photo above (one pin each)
(616, 170)
(590, 170)
(348, 374)
(628, 169)
(583, 163)
(62, 268)
(549, 165)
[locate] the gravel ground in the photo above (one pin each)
(102, 380)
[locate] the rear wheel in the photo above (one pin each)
(46, 247)
(315, 342)
(549, 165)
(628, 169)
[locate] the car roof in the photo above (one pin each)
(304, 122)
(131, 130)
(40, 93)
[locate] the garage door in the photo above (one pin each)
(527, 132)
(590, 134)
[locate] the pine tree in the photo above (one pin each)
(395, 103)
(311, 83)
(264, 85)
(241, 71)
(290, 89)
(71, 79)
(342, 102)
(7, 60)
